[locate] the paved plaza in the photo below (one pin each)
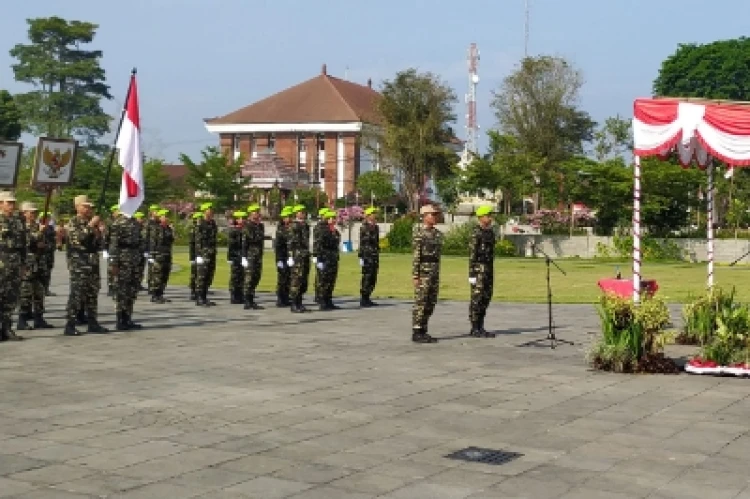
(227, 403)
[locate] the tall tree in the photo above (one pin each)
(377, 185)
(613, 138)
(217, 178)
(717, 70)
(69, 82)
(10, 117)
(416, 111)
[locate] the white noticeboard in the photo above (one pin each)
(10, 162)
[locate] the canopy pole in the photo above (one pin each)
(710, 223)
(637, 229)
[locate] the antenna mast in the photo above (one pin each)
(472, 127)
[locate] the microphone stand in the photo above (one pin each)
(551, 337)
(740, 258)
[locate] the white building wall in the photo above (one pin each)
(340, 167)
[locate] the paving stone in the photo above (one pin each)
(269, 488)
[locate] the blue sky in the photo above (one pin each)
(203, 58)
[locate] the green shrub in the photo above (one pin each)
(505, 248)
(401, 233)
(456, 241)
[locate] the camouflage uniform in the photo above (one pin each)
(234, 258)
(161, 254)
(126, 251)
(13, 254)
(205, 248)
(481, 260)
(369, 256)
(49, 235)
(328, 258)
(84, 243)
(143, 259)
(151, 228)
(191, 255)
(428, 242)
(282, 269)
(317, 231)
(298, 247)
(31, 305)
(253, 236)
(111, 278)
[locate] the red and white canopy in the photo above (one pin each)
(696, 129)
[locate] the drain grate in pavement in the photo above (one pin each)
(494, 457)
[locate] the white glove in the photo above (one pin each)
(280, 264)
(290, 261)
(245, 263)
(315, 259)
(192, 262)
(320, 265)
(151, 260)
(229, 262)
(146, 255)
(472, 280)
(199, 260)
(105, 254)
(361, 262)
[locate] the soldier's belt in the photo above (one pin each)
(429, 259)
(11, 250)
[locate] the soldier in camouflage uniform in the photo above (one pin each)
(13, 249)
(125, 253)
(428, 242)
(191, 253)
(205, 254)
(328, 261)
(49, 235)
(298, 247)
(234, 258)
(253, 238)
(151, 226)
(31, 306)
(141, 218)
(481, 261)
(161, 257)
(282, 254)
(317, 231)
(62, 241)
(369, 256)
(85, 240)
(111, 282)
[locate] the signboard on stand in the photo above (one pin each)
(10, 163)
(55, 162)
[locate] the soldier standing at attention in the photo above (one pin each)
(114, 213)
(481, 273)
(151, 226)
(253, 238)
(298, 247)
(50, 236)
(31, 306)
(125, 253)
(13, 249)
(328, 260)
(161, 256)
(369, 256)
(318, 230)
(191, 253)
(84, 242)
(140, 217)
(281, 254)
(205, 254)
(234, 257)
(428, 242)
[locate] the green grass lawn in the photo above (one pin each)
(516, 279)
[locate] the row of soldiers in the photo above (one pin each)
(293, 256)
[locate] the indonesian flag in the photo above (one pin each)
(129, 145)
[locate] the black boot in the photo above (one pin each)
(81, 318)
(235, 298)
(331, 305)
(294, 306)
(23, 324)
(121, 325)
(12, 336)
(193, 296)
(47, 292)
(482, 331)
(206, 301)
(40, 323)
(280, 302)
(421, 336)
(96, 328)
(70, 329)
(3, 333)
(129, 321)
(250, 303)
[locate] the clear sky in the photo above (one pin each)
(204, 58)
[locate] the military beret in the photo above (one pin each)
(206, 206)
(138, 214)
(298, 207)
(371, 210)
(329, 214)
(163, 212)
(153, 207)
(484, 210)
(197, 215)
(253, 208)
(114, 208)
(239, 214)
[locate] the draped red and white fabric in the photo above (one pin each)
(129, 145)
(696, 130)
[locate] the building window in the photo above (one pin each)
(272, 142)
(302, 143)
(321, 142)
(322, 173)
(236, 146)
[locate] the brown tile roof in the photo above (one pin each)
(176, 173)
(267, 170)
(323, 99)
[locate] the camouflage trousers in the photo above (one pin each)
(162, 267)
(85, 282)
(283, 278)
(327, 278)
(47, 272)
(369, 276)
(300, 274)
(193, 276)
(128, 283)
(141, 270)
(10, 285)
(252, 276)
(111, 278)
(481, 292)
(425, 295)
(236, 278)
(32, 292)
(205, 273)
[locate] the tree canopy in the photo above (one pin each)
(216, 177)
(10, 117)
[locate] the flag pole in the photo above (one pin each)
(107, 172)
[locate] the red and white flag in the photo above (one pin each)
(129, 145)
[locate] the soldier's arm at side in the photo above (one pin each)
(473, 252)
(417, 257)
